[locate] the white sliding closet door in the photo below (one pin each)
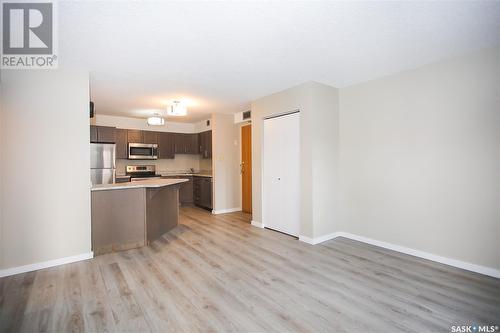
(281, 174)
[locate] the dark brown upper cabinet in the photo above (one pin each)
(150, 137)
(169, 144)
(102, 134)
(200, 142)
(193, 143)
(166, 145)
(106, 134)
(180, 143)
(121, 143)
(135, 136)
(186, 143)
(205, 144)
(209, 146)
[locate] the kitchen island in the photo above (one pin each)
(131, 215)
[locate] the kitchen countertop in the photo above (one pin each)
(186, 174)
(149, 183)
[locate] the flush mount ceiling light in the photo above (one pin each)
(177, 109)
(156, 120)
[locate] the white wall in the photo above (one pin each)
(45, 195)
(238, 117)
(420, 158)
(202, 126)
(325, 159)
(318, 105)
(225, 163)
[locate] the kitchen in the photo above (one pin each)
(131, 165)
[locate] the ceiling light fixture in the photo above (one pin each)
(156, 120)
(177, 109)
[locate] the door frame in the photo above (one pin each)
(262, 193)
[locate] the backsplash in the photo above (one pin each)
(206, 165)
(181, 163)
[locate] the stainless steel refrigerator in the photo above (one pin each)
(102, 163)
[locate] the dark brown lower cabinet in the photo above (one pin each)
(202, 192)
(186, 189)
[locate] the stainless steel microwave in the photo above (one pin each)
(142, 151)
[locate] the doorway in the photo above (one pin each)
(246, 168)
(281, 174)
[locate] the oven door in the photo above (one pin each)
(142, 151)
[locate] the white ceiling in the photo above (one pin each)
(222, 55)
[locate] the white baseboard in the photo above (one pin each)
(308, 240)
(317, 240)
(224, 211)
(45, 264)
(257, 224)
(425, 255)
(406, 250)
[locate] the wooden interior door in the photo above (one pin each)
(246, 168)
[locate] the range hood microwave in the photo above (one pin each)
(142, 151)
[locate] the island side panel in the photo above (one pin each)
(162, 210)
(118, 220)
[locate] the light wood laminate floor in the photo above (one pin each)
(219, 274)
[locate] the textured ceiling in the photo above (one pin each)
(219, 56)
